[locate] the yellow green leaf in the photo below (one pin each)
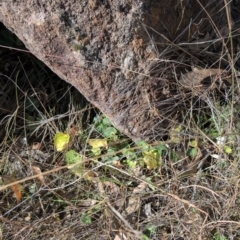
(77, 169)
(227, 150)
(174, 134)
(81, 171)
(97, 143)
(61, 141)
(193, 143)
(96, 151)
(151, 158)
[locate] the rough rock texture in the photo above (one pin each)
(107, 49)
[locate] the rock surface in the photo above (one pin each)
(112, 51)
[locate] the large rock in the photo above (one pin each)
(113, 51)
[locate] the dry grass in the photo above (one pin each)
(187, 197)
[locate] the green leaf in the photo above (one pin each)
(32, 188)
(174, 156)
(106, 122)
(85, 219)
(109, 132)
(31, 104)
(151, 229)
(72, 157)
(192, 152)
(218, 236)
(129, 154)
(101, 122)
(104, 126)
(110, 155)
(74, 163)
(130, 163)
(161, 148)
(96, 119)
(144, 237)
(144, 145)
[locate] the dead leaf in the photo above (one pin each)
(99, 186)
(120, 236)
(116, 163)
(89, 175)
(37, 170)
(140, 188)
(73, 131)
(28, 217)
(36, 146)
(196, 76)
(134, 203)
(147, 210)
(112, 187)
(87, 202)
(119, 202)
(192, 167)
(16, 188)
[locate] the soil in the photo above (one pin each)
(120, 54)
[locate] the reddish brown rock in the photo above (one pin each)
(112, 51)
